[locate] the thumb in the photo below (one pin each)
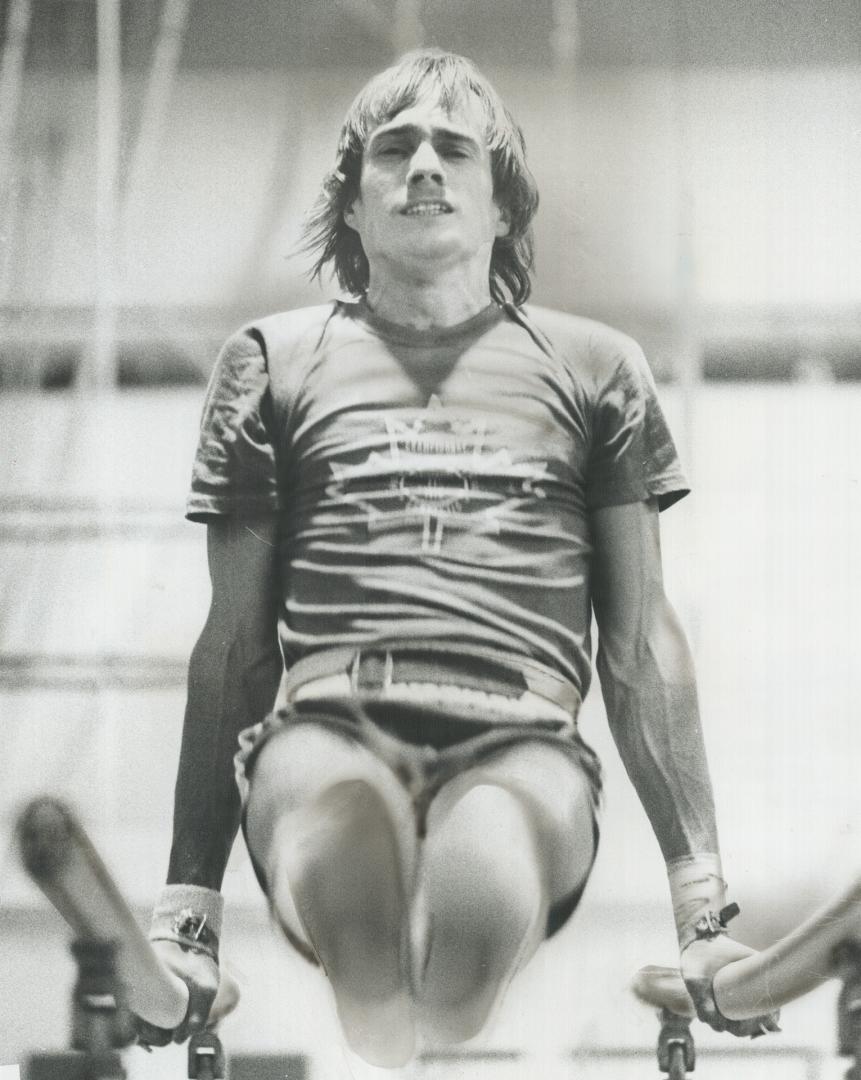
(196, 1017)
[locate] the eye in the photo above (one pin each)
(390, 151)
(454, 151)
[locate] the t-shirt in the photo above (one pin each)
(433, 487)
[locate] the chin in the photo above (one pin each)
(449, 247)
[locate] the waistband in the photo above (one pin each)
(470, 678)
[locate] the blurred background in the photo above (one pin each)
(700, 169)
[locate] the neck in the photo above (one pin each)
(427, 304)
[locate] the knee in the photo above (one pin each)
(484, 887)
(485, 905)
(471, 961)
(340, 867)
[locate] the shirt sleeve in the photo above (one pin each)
(633, 454)
(234, 470)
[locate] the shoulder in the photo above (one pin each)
(282, 331)
(259, 352)
(595, 350)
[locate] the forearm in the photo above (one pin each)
(229, 687)
(653, 712)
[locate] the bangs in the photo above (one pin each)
(451, 81)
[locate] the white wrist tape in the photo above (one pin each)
(190, 915)
(698, 892)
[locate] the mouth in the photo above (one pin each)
(427, 208)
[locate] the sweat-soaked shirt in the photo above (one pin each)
(433, 487)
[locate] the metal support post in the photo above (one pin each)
(847, 960)
(99, 372)
(101, 1022)
(676, 1056)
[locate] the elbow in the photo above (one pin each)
(227, 641)
(669, 646)
(654, 652)
(252, 624)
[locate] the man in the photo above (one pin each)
(414, 503)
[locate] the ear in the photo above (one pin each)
(349, 216)
(503, 224)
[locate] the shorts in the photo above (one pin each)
(428, 741)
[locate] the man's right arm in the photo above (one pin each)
(232, 681)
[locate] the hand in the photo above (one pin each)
(200, 974)
(700, 962)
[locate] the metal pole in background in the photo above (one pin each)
(688, 336)
(11, 81)
(97, 381)
(407, 29)
(98, 372)
(688, 313)
(171, 33)
(565, 36)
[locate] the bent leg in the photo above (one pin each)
(334, 833)
(506, 841)
(484, 906)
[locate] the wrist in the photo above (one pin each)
(698, 893)
(191, 916)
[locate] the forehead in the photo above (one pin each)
(428, 114)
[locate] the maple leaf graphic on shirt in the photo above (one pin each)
(438, 474)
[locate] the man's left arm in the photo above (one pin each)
(649, 689)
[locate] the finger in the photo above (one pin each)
(195, 1021)
(767, 1024)
(705, 1005)
(186, 1029)
(754, 1028)
(149, 1035)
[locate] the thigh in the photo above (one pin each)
(303, 761)
(507, 838)
(334, 831)
(555, 796)
(481, 906)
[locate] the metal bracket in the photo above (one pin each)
(847, 961)
(205, 1057)
(676, 1053)
(101, 1022)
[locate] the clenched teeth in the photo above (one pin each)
(426, 208)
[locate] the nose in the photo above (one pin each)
(425, 164)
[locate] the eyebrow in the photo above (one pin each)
(416, 130)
